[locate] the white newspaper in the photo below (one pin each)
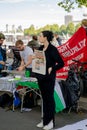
(39, 63)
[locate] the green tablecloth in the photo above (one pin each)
(28, 84)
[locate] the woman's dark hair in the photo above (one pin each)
(48, 34)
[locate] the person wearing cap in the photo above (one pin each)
(84, 24)
(2, 52)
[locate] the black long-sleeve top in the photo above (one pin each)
(53, 59)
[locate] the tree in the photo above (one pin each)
(62, 29)
(47, 27)
(31, 29)
(70, 28)
(77, 26)
(71, 4)
(26, 32)
(54, 28)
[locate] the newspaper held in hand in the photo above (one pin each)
(39, 63)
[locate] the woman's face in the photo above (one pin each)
(41, 38)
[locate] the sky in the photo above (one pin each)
(36, 12)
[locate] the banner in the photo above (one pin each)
(74, 48)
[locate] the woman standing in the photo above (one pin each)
(47, 82)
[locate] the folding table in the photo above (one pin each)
(11, 84)
(33, 86)
(27, 85)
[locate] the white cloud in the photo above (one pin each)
(16, 1)
(11, 1)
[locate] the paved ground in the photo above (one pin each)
(10, 120)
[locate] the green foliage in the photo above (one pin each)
(63, 29)
(77, 26)
(26, 32)
(70, 28)
(54, 28)
(68, 5)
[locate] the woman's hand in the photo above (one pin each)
(49, 70)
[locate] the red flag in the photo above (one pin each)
(74, 48)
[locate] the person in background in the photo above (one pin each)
(59, 40)
(33, 43)
(55, 42)
(84, 24)
(47, 82)
(14, 54)
(2, 52)
(26, 57)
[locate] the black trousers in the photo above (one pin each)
(47, 91)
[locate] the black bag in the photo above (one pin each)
(6, 100)
(4, 74)
(72, 84)
(29, 100)
(16, 60)
(16, 63)
(66, 93)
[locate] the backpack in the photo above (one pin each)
(5, 100)
(16, 100)
(28, 100)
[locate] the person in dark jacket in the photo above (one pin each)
(47, 82)
(34, 43)
(2, 52)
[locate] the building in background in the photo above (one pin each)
(68, 19)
